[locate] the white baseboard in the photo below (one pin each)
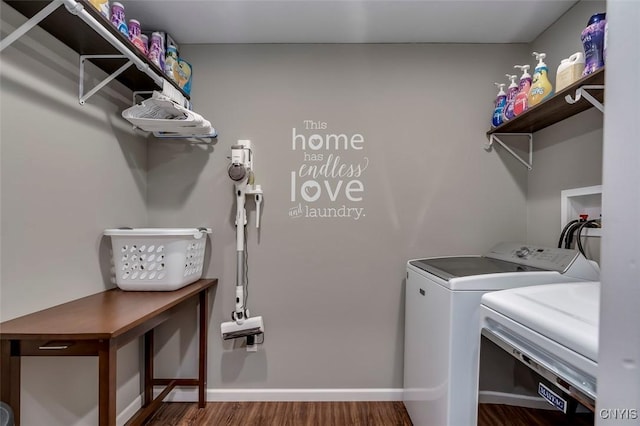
(490, 397)
(377, 394)
(129, 411)
(232, 395)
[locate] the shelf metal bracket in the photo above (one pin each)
(136, 93)
(582, 92)
(495, 137)
(82, 97)
(76, 8)
(32, 22)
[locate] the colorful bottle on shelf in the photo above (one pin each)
(593, 41)
(184, 75)
(101, 6)
(541, 87)
(145, 43)
(171, 62)
(498, 111)
(512, 92)
(156, 49)
(522, 98)
(135, 34)
(117, 18)
(606, 37)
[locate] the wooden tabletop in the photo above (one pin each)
(103, 315)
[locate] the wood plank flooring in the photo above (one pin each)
(505, 415)
(282, 414)
(341, 414)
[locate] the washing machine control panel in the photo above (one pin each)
(549, 258)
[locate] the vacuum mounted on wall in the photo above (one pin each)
(241, 173)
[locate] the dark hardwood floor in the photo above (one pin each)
(282, 414)
(341, 414)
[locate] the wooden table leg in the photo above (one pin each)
(148, 368)
(107, 383)
(10, 376)
(202, 360)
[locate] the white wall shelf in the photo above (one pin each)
(566, 103)
(95, 39)
(92, 36)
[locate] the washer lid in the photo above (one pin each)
(465, 266)
(567, 313)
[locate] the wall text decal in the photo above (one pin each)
(325, 185)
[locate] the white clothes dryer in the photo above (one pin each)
(442, 314)
(552, 329)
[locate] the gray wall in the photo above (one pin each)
(67, 173)
(568, 154)
(331, 290)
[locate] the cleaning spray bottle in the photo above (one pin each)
(541, 88)
(512, 92)
(522, 103)
(501, 101)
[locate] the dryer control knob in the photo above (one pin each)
(523, 252)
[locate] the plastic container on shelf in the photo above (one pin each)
(521, 103)
(593, 42)
(101, 6)
(145, 43)
(118, 18)
(569, 71)
(512, 92)
(498, 106)
(157, 49)
(135, 35)
(157, 259)
(541, 88)
(171, 62)
(183, 74)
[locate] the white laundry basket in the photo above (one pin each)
(157, 259)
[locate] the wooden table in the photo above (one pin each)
(98, 325)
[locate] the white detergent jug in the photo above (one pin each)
(569, 71)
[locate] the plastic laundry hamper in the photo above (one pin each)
(157, 259)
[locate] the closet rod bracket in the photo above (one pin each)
(82, 97)
(495, 137)
(582, 92)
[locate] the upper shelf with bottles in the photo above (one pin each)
(554, 109)
(81, 37)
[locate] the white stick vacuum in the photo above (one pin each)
(241, 172)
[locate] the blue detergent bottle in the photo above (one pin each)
(500, 103)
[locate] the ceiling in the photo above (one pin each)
(348, 21)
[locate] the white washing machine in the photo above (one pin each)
(552, 329)
(442, 314)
